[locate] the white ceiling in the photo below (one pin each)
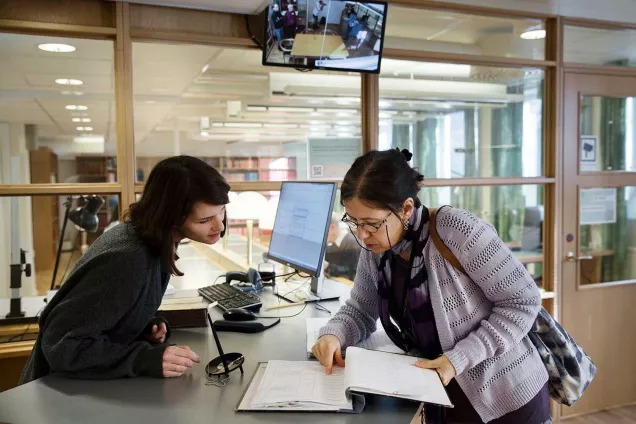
(171, 93)
(249, 7)
(609, 10)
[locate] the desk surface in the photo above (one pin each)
(188, 399)
(311, 45)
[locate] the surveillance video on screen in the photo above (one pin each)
(325, 34)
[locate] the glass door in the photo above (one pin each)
(598, 243)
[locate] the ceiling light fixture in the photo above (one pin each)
(76, 107)
(57, 48)
(257, 108)
(205, 68)
(68, 81)
(243, 125)
(533, 34)
(290, 109)
(204, 134)
(86, 119)
(84, 128)
(280, 125)
(77, 119)
(346, 111)
(87, 139)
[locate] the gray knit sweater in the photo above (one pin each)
(482, 318)
(94, 327)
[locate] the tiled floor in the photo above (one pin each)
(623, 415)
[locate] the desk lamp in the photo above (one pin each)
(85, 219)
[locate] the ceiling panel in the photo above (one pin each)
(248, 7)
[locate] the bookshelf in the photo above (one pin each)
(45, 216)
(235, 168)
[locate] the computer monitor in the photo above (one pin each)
(532, 237)
(301, 226)
(334, 35)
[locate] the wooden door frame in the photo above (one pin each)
(608, 84)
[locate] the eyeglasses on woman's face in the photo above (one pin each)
(369, 227)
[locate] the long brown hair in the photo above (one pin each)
(173, 187)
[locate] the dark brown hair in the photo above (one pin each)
(173, 187)
(382, 179)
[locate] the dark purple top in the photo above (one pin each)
(290, 18)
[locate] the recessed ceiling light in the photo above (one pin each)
(86, 119)
(57, 48)
(533, 34)
(345, 111)
(77, 119)
(68, 81)
(76, 107)
(84, 128)
(73, 93)
(257, 108)
(205, 68)
(87, 139)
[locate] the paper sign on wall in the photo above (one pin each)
(597, 206)
(331, 158)
(588, 152)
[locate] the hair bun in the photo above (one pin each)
(407, 155)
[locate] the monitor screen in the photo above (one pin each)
(302, 223)
(325, 34)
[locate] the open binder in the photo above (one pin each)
(298, 386)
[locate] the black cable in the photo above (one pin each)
(291, 275)
(217, 278)
(291, 291)
(71, 258)
(287, 316)
(249, 32)
(27, 328)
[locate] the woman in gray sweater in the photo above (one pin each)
(101, 324)
(472, 327)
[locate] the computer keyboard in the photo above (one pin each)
(229, 297)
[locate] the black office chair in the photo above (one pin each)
(532, 236)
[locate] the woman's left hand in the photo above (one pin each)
(442, 365)
(158, 334)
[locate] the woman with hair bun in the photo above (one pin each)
(473, 326)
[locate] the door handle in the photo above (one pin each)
(571, 257)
